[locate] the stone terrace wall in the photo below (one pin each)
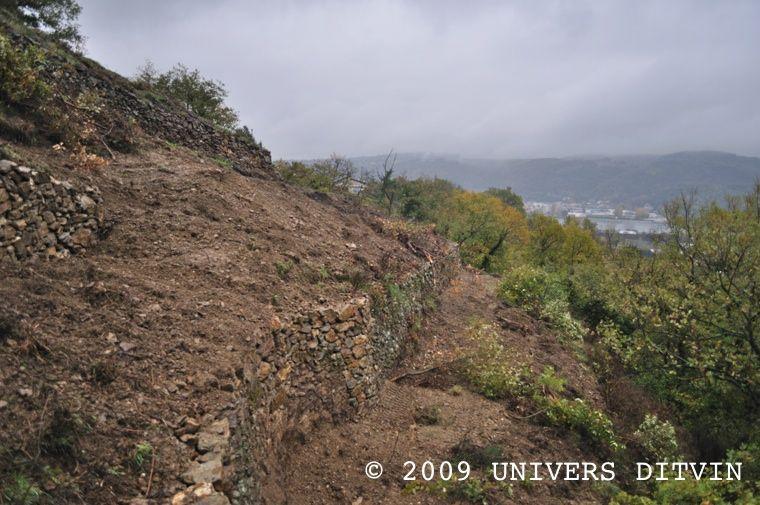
(41, 216)
(323, 365)
(156, 116)
(162, 119)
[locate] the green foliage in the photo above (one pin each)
(56, 17)
(478, 456)
(142, 454)
(531, 288)
(561, 247)
(686, 321)
(471, 490)
(328, 176)
(716, 492)
(491, 370)
(283, 268)
(204, 97)
(550, 382)
(485, 229)
(456, 390)
(223, 162)
(657, 438)
(509, 197)
(21, 491)
(429, 415)
(542, 294)
(20, 80)
(592, 424)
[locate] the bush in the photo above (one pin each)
(334, 175)
(531, 288)
(591, 424)
(550, 382)
(205, 97)
(20, 72)
(557, 313)
(657, 438)
(542, 294)
(490, 369)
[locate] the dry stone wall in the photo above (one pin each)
(158, 116)
(42, 216)
(322, 365)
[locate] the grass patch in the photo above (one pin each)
(283, 268)
(142, 454)
(222, 162)
(428, 416)
(21, 491)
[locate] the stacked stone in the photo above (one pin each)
(162, 119)
(41, 216)
(326, 342)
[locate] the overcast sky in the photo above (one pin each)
(478, 78)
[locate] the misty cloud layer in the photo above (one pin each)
(478, 78)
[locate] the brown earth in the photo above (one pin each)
(106, 350)
(329, 467)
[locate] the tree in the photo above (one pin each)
(546, 239)
(204, 97)
(484, 228)
(388, 185)
(57, 17)
(578, 244)
(509, 197)
(695, 311)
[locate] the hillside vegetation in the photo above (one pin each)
(229, 330)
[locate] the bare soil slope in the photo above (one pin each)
(105, 351)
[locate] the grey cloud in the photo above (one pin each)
(479, 78)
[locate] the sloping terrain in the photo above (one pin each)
(104, 351)
(330, 465)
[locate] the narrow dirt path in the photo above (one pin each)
(330, 466)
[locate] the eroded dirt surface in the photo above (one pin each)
(107, 350)
(330, 466)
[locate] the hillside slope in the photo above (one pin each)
(152, 323)
(180, 326)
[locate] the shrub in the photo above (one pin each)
(491, 370)
(657, 438)
(283, 268)
(550, 382)
(327, 176)
(20, 80)
(429, 416)
(543, 294)
(531, 288)
(591, 424)
(205, 97)
(557, 313)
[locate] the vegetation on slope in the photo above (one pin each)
(683, 323)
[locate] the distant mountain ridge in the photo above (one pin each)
(632, 180)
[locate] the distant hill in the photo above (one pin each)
(631, 180)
